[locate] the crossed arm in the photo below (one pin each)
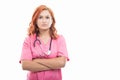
(43, 64)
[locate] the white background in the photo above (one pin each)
(91, 29)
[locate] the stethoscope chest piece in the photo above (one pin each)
(49, 52)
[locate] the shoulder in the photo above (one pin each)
(30, 38)
(60, 37)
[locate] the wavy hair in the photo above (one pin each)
(33, 28)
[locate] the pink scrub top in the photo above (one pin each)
(58, 48)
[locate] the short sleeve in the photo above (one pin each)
(26, 50)
(62, 48)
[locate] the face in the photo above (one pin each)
(44, 20)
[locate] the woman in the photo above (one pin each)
(44, 52)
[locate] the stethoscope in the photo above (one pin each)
(49, 51)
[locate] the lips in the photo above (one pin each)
(44, 24)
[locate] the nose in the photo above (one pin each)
(44, 20)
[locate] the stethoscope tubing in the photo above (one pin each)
(49, 51)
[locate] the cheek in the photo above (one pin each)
(50, 22)
(38, 22)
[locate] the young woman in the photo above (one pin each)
(44, 52)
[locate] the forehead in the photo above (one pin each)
(45, 13)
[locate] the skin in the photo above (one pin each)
(44, 22)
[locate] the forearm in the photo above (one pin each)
(53, 63)
(33, 66)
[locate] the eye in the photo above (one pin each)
(47, 17)
(40, 17)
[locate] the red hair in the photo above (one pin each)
(33, 29)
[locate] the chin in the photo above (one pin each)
(45, 29)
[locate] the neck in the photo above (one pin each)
(44, 34)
